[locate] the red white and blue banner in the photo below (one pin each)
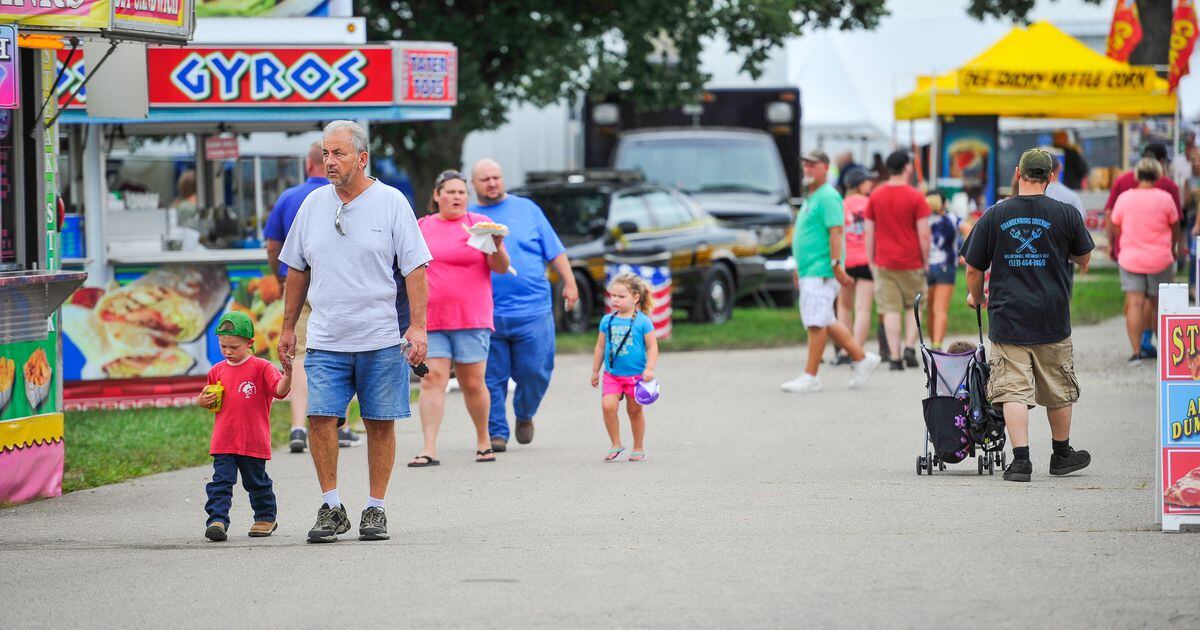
(658, 276)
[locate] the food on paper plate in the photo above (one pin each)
(173, 303)
(1186, 491)
(8, 373)
(487, 227)
(37, 378)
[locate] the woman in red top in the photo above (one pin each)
(459, 315)
(854, 301)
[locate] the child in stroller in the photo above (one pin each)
(958, 416)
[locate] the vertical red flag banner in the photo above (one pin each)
(1126, 31)
(1183, 40)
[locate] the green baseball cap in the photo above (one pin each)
(236, 323)
(1036, 164)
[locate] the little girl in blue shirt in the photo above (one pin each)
(628, 351)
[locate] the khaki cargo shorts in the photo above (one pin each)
(895, 290)
(302, 330)
(1042, 374)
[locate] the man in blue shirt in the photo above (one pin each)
(522, 347)
(279, 223)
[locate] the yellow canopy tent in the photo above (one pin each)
(1038, 72)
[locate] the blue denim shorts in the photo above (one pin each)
(468, 345)
(941, 274)
(378, 377)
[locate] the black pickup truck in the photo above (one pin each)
(608, 214)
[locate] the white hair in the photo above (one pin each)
(358, 135)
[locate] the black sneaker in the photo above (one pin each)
(896, 366)
(1019, 470)
(298, 440)
(1075, 461)
(910, 358)
(330, 523)
(373, 525)
(842, 359)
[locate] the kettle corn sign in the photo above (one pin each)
(1124, 80)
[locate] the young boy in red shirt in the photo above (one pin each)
(241, 438)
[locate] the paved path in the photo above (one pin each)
(756, 509)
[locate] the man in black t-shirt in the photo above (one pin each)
(1030, 241)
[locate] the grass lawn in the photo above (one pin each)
(106, 447)
(1098, 297)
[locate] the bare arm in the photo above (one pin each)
(975, 287)
(273, 249)
(925, 236)
(562, 267)
(597, 359)
(651, 356)
(835, 257)
(1083, 261)
(285, 384)
(499, 261)
(294, 294)
(418, 298)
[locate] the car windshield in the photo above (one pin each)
(707, 164)
(571, 212)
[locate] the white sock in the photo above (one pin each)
(373, 502)
(331, 498)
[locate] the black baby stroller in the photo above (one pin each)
(958, 417)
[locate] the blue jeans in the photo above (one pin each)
(522, 348)
(378, 377)
(254, 480)
(465, 345)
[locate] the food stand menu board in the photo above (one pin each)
(161, 321)
(1179, 413)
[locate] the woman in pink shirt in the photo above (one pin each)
(854, 301)
(459, 315)
(1145, 226)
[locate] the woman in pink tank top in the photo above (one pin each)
(459, 315)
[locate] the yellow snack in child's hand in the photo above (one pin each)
(219, 390)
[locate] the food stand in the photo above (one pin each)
(142, 331)
(1033, 72)
(32, 284)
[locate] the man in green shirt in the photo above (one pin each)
(817, 245)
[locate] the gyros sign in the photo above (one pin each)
(276, 76)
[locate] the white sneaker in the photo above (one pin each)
(452, 385)
(863, 370)
(804, 383)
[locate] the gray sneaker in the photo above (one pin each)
(330, 523)
(373, 525)
(347, 438)
(298, 440)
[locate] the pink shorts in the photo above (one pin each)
(619, 384)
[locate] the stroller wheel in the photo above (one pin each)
(941, 465)
(991, 467)
(920, 465)
(979, 462)
(928, 465)
(1003, 461)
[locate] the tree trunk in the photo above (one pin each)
(437, 146)
(1154, 49)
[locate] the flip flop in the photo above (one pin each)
(614, 454)
(637, 456)
(479, 454)
(429, 461)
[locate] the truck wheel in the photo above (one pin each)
(714, 302)
(578, 319)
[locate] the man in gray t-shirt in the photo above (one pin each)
(347, 243)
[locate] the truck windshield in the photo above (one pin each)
(572, 212)
(706, 164)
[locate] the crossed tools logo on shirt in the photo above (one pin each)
(1026, 239)
(246, 389)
